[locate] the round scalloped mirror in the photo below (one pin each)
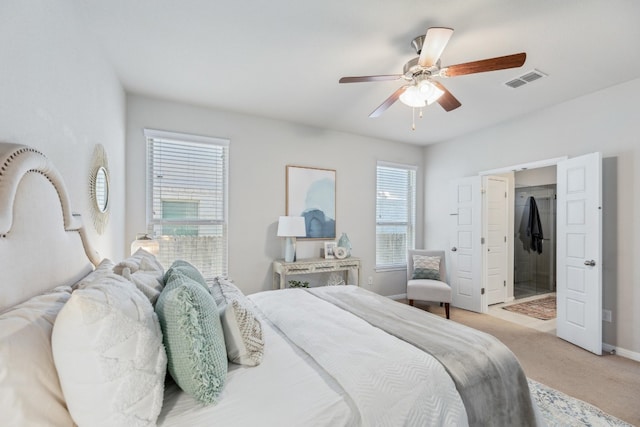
(99, 189)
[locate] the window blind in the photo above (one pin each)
(395, 214)
(187, 199)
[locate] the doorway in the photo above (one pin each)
(579, 245)
(534, 267)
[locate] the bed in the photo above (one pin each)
(88, 341)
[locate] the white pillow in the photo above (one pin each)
(145, 271)
(30, 393)
(242, 334)
(242, 328)
(107, 348)
(104, 268)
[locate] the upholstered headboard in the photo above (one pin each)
(42, 243)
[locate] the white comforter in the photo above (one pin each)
(390, 382)
(331, 369)
(286, 389)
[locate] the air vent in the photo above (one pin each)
(515, 83)
(528, 77)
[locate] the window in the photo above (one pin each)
(395, 214)
(179, 209)
(187, 199)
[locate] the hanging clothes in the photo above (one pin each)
(534, 227)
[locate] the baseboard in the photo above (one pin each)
(397, 297)
(608, 348)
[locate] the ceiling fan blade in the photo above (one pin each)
(379, 78)
(447, 100)
(491, 64)
(388, 102)
(434, 43)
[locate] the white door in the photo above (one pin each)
(465, 260)
(579, 257)
(494, 225)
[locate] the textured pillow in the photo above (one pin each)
(242, 329)
(193, 338)
(107, 348)
(144, 271)
(186, 269)
(30, 393)
(426, 267)
(242, 334)
(229, 290)
(193, 273)
(104, 268)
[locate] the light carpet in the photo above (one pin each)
(561, 410)
(542, 308)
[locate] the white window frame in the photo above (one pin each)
(411, 215)
(154, 134)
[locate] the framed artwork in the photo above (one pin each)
(329, 250)
(311, 193)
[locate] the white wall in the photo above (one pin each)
(259, 151)
(59, 96)
(605, 121)
(538, 176)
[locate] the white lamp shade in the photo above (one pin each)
(430, 92)
(291, 226)
(412, 97)
(145, 242)
(425, 93)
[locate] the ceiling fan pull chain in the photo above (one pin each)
(413, 118)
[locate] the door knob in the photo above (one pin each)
(453, 249)
(590, 263)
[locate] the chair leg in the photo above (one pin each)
(446, 309)
(441, 304)
(410, 302)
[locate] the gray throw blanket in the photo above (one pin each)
(487, 375)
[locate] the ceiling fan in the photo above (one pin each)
(420, 73)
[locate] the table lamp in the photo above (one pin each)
(143, 241)
(291, 227)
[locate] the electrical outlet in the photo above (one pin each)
(370, 281)
(606, 315)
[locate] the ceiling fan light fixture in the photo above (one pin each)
(412, 97)
(430, 92)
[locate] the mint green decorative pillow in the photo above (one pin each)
(193, 273)
(193, 338)
(426, 267)
(188, 270)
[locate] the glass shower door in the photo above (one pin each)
(534, 273)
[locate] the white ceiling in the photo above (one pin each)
(282, 59)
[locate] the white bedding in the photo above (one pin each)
(286, 389)
(333, 369)
(391, 382)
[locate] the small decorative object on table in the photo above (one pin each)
(329, 248)
(340, 252)
(298, 284)
(344, 242)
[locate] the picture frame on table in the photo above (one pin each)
(329, 250)
(311, 193)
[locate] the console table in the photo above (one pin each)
(281, 269)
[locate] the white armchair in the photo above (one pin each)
(426, 277)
